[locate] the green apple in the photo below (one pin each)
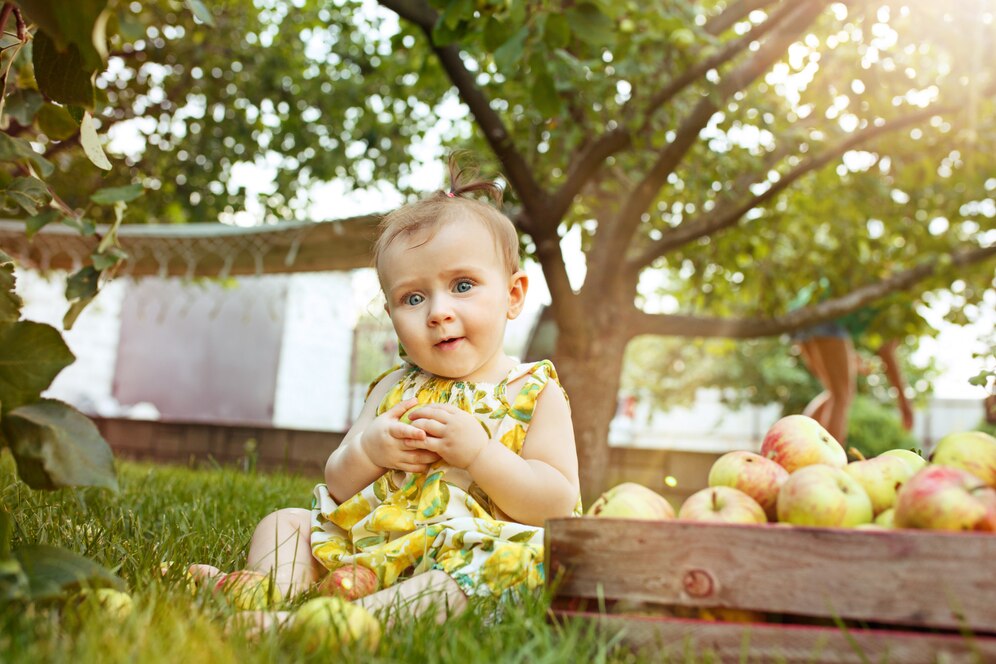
(758, 477)
(886, 518)
(880, 477)
(796, 441)
(407, 417)
(103, 602)
(822, 495)
(722, 504)
(946, 498)
(332, 622)
(630, 500)
(915, 461)
(974, 451)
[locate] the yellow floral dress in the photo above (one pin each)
(406, 523)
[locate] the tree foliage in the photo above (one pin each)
(719, 155)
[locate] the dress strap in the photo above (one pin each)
(537, 375)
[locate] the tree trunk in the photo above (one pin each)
(591, 374)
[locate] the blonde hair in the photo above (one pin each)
(429, 212)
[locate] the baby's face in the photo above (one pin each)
(449, 297)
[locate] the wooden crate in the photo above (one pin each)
(815, 594)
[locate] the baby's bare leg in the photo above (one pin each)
(281, 543)
(433, 591)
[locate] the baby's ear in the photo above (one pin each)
(517, 288)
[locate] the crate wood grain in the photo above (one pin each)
(903, 578)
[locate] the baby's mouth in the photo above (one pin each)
(446, 344)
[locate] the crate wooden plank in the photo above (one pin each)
(944, 580)
(684, 640)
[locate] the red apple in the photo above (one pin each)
(630, 500)
(946, 498)
(349, 582)
(821, 495)
(974, 451)
(722, 504)
(758, 477)
(248, 589)
(797, 440)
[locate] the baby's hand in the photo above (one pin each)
(453, 434)
(392, 444)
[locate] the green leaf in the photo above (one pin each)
(56, 122)
(18, 149)
(53, 572)
(74, 311)
(110, 258)
(78, 24)
(123, 194)
(55, 446)
(508, 54)
(496, 33)
(40, 221)
(556, 31)
(443, 35)
(85, 227)
(543, 91)
(591, 25)
(202, 13)
(31, 355)
(82, 284)
(22, 105)
(91, 143)
(10, 301)
(30, 193)
(61, 75)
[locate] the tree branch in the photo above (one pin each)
(737, 11)
(731, 214)
(617, 238)
(696, 326)
(588, 160)
(519, 174)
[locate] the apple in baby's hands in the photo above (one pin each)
(349, 582)
(880, 477)
(758, 477)
(248, 590)
(915, 461)
(946, 498)
(796, 441)
(630, 500)
(974, 451)
(722, 504)
(821, 495)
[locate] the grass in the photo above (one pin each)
(187, 515)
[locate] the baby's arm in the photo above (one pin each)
(541, 483)
(374, 444)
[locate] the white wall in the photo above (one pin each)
(311, 391)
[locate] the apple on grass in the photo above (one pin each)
(758, 477)
(332, 622)
(974, 451)
(248, 590)
(722, 504)
(796, 441)
(349, 582)
(946, 498)
(821, 495)
(880, 477)
(630, 500)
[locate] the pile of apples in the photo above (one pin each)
(802, 477)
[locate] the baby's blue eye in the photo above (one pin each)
(413, 299)
(463, 286)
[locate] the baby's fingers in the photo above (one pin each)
(400, 408)
(404, 431)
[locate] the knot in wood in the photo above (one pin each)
(698, 583)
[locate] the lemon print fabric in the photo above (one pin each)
(407, 523)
